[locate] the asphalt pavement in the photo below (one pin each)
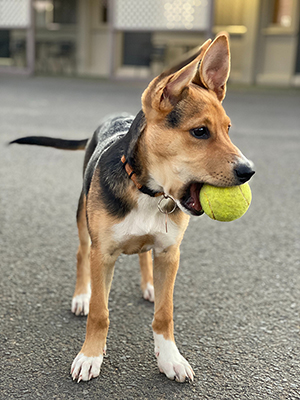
(237, 294)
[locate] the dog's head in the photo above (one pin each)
(186, 135)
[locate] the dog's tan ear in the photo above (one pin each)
(172, 91)
(188, 58)
(164, 92)
(215, 66)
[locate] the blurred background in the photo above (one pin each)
(237, 295)
(136, 39)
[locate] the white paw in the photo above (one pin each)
(80, 304)
(85, 368)
(149, 292)
(170, 361)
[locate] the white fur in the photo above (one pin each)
(170, 361)
(149, 292)
(146, 219)
(81, 302)
(85, 368)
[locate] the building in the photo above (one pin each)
(135, 39)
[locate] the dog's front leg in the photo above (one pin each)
(170, 361)
(88, 362)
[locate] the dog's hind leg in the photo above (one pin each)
(82, 293)
(147, 275)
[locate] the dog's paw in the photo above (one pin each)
(85, 368)
(170, 361)
(80, 304)
(148, 292)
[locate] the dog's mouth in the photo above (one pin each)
(190, 199)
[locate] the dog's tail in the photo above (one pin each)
(52, 142)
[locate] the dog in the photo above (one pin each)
(142, 178)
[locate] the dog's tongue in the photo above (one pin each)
(194, 201)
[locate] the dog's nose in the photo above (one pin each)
(243, 172)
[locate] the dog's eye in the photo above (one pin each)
(200, 133)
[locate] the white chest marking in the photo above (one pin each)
(146, 219)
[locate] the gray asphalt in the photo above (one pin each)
(237, 294)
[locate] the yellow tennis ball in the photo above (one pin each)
(225, 204)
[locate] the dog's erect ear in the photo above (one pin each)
(215, 66)
(171, 93)
(189, 57)
(164, 92)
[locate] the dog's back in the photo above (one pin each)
(112, 128)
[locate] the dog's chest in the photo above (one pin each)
(144, 228)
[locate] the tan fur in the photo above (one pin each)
(171, 151)
(83, 253)
(146, 265)
(164, 280)
(102, 268)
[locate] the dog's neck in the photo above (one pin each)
(133, 176)
(134, 158)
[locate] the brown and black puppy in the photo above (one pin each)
(142, 178)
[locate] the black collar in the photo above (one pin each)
(132, 175)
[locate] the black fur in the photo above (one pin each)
(131, 139)
(103, 139)
(114, 138)
(113, 177)
(174, 118)
(52, 142)
(114, 181)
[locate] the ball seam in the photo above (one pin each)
(244, 196)
(209, 205)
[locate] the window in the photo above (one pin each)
(64, 12)
(282, 13)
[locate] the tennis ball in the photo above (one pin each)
(225, 204)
